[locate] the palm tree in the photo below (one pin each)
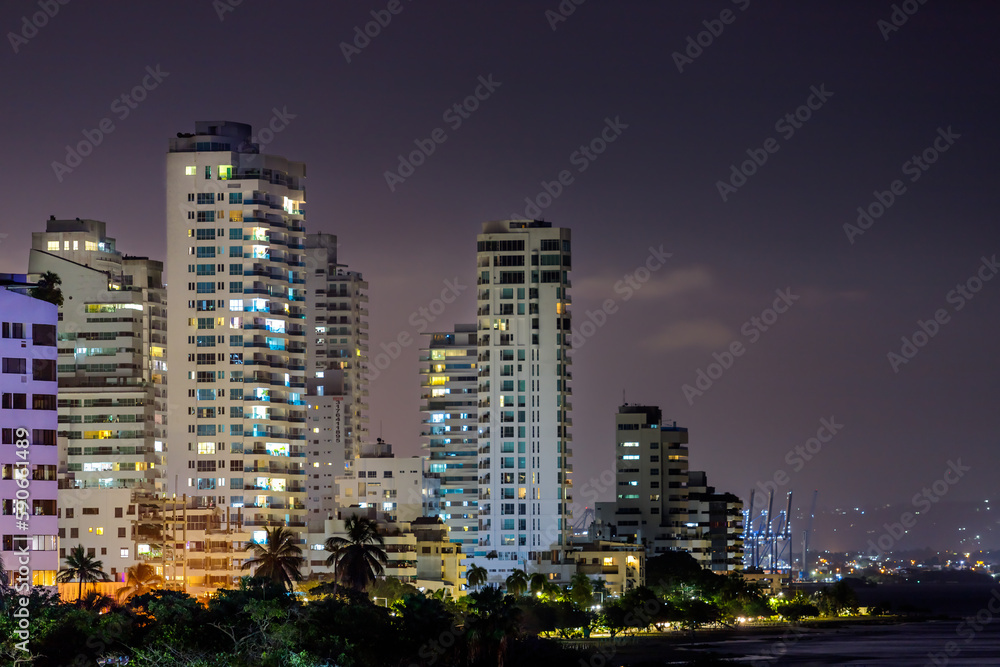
(83, 568)
(360, 558)
(476, 576)
(536, 583)
(581, 590)
(278, 559)
(139, 580)
(517, 582)
(492, 625)
(47, 288)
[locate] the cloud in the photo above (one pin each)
(705, 334)
(659, 286)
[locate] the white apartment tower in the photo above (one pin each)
(112, 385)
(236, 270)
(524, 332)
(337, 325)
(449, 403)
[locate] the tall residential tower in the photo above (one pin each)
(449, 403)
(236, 271)
(112, 385)
(524, 333)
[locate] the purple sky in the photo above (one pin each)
(654, 185)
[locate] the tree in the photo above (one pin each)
(581, 590)
(536, 583)
(47, 288)
(279, 559)
(83, 568)
(517, 582)
(360, 558)
(476, 576)
(838, 599)
(139, 580)
(493, 624)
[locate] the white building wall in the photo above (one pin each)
(524, 388)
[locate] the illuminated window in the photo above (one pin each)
(190, 171)
(206, 447)
(90, 246)
(236, 216)
(609, 561)
(124, 552)
(225, 172)
(52, 245)
(99, 531)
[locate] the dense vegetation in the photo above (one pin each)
(263, 624)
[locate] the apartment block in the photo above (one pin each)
(112, 387)
(337, 326)
(523, 330)
(237, 333)
(449, 405)
(28, 424)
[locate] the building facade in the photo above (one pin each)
(236, 269)
(662, 505)
(449, 407)
(28, 452)
(337, 325)
(112, 385)
(524, 332)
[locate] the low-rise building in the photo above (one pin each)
(622, 566)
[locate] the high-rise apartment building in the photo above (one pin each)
(662, 505)
(449, 403)
(28, 452)
(337, 326)
(524, 332)
(236, 271)
(112, 385)
(651, 468)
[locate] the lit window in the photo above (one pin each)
(190, 171)
(99, 531)
(52, 245)
(225, 172)
(236, 216)
(206, 447)
(124, 552)
(76, 245)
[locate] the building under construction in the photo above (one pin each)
(195, 549)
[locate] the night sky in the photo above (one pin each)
(880, 94)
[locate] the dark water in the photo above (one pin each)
(908, 644)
